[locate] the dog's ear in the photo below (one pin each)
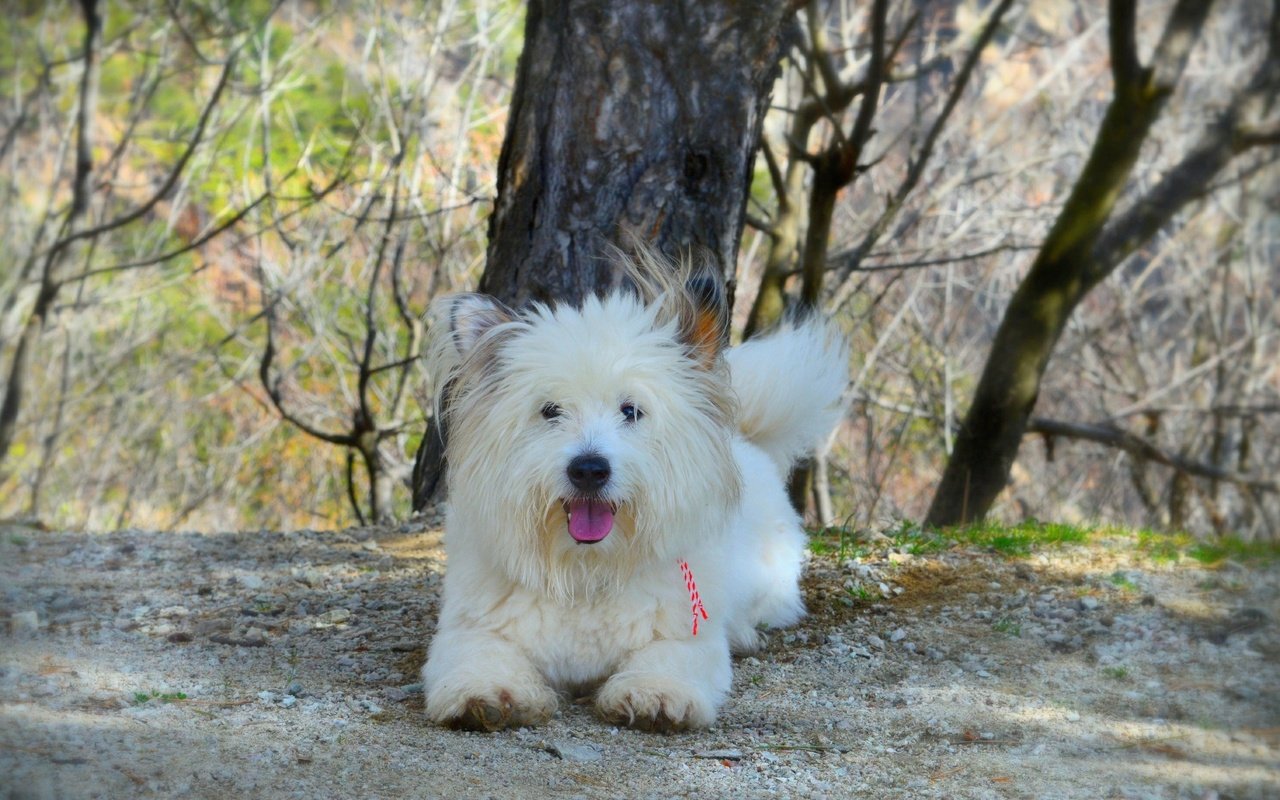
(705, 328)
(469, 317)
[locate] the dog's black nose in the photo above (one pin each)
(589, 472)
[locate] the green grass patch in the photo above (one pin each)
(1173, 547)
(919, 542)
(1122, 581)
(840, 541)
(1116, 673)
(1019, 540)
(1007, 626)
(161, 697)
(861, 593)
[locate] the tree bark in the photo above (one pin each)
(630, 121)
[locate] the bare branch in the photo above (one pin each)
(1125, 67)
(921, 160)
(172, 178)
(1136, 446)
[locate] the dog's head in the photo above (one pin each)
(584, 440)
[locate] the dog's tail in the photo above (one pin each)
(789, 384)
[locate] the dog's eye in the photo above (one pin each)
(551, 411)
(631, 413)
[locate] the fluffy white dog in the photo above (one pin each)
(617, 519)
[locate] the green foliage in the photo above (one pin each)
(1117, 673)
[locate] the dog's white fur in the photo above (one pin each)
(529, 612)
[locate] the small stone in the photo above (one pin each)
(332, 617)
(573, 751)
(267, 696)
(1072, 716)
(251, 581)
(371, 707)
(180, 637)
(1089, 603)
(898, 635)
(24, 622)
(370, 545)
(288, 701)
(309, 576)
(65, 602)
(294, 688)
(933, 654)
(875, 641)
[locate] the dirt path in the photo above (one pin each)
(285, 665)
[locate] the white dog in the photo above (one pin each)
(617, 520)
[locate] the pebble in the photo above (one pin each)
(573, 751)
(1089, 603)
(898, 635)
(875, 641)
(332, 617)
(24, 622)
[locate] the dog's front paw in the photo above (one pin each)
(490, 710)
(654, 703)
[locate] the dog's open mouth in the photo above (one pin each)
(589, 520)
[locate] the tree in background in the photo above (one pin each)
(1088, 241)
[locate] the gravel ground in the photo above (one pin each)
(285, 665)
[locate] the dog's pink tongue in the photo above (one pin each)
(589, 520)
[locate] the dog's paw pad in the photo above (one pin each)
(663, 720)
(486, 714)
(649, 709)
(498, 710)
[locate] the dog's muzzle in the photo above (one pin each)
(590, 518)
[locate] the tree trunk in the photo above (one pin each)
(629, 121)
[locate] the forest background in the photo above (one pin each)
(222, 227)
